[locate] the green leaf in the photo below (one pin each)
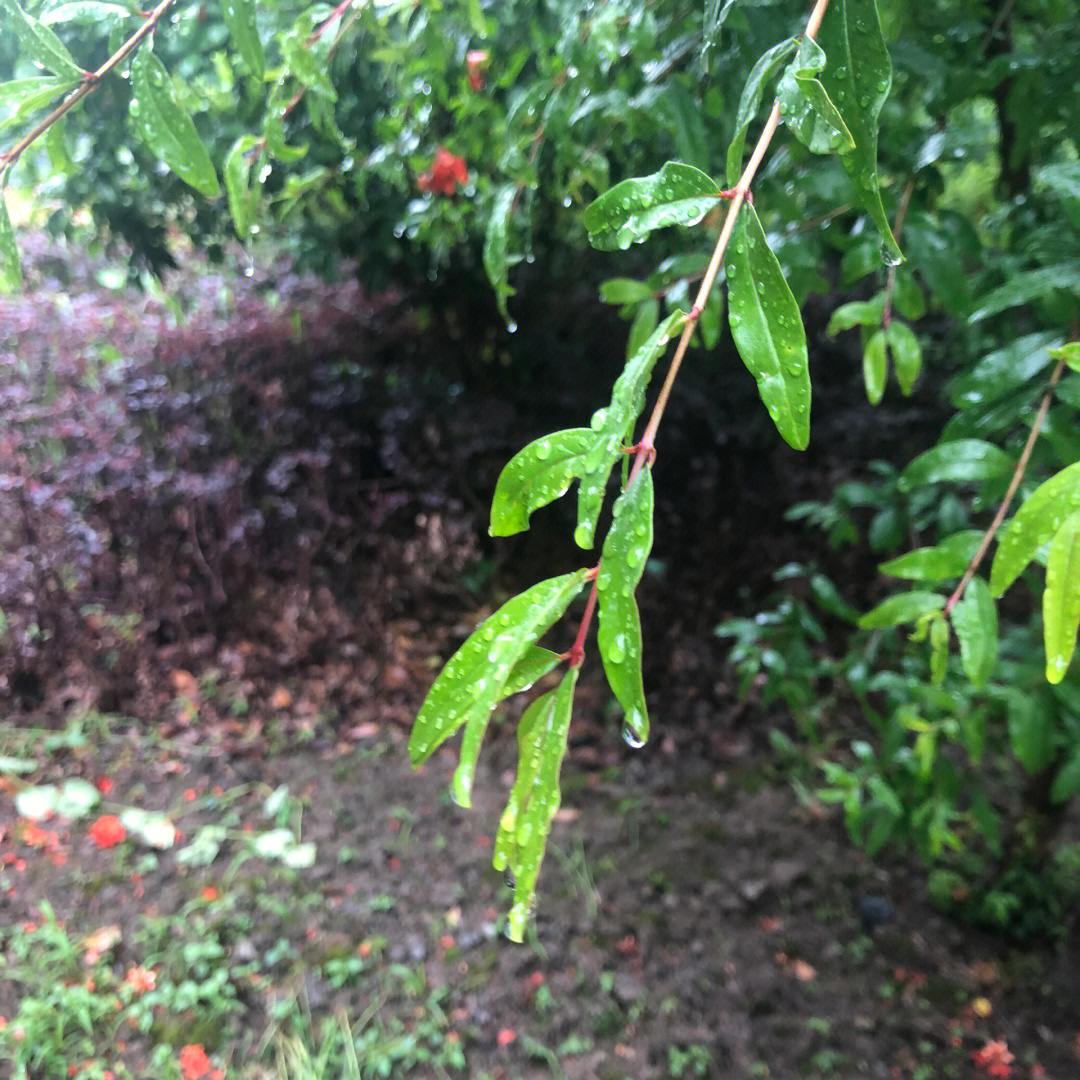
(716, 12)
(857, 313)
(496, 248)
(906, 354)
(541, 800)
(902, 608)
(10, 268)
(1067, 782)
(645, 321)
(1028, 286)
(908, 298)
(274, 133)
(1063, 179)
(614, 425)
(243, 200)
(761, 74)
(624, 291)
(857, 78)
(239, 17)
(153, 829)
(14, 766)
(92, 11)
(534, 665)
(805, 105)
(960, 461)
(305, 66)
(1033, 525)
(944, 562)
(1061, 598)
(39, 42)
(475, 678)
(974, 619)
(164, 125)
(1070, 353)
(537, 475)
(767, 327)
(712, 312)
(622, 563)
(626, 214)
(1031, 730)
(939, 650)
(25, 96)
(875, 366)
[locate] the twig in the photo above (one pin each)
(645, 449)
(1018, 475)
(91, 81)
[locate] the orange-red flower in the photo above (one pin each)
(446, 172)
(475, 63)
(140, 979)
(194, 1064)
(104, 784)
(994, 1059)
(107, 831)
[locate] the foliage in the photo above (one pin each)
(976, 173)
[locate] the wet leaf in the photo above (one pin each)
(239, 17)
(243, 200)
(960, 461)
(39, 42)
(622, 563)
(902, 608)
(767, 328)
(475, 678)
(645, 321)
(25, 96)
(496, 248)
(857, 313)
(534, 665)
(875, 366)
(164, 125)
(91, 11)
(974, 619)
(614, 425)
(944, 562)
(805, 105)
(626, 214)
(624, 291)
(1067, 782)
(305, 66)
(540, 801)
(1031, 730)
(1070, 353)
(939, 650)
(537, 475)
(77, 797)
(1033, 525)
(1061, 598)
(906, 355)
(1028, 286)
(858, 77)
(761, 75)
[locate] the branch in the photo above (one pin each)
(91, 81)
(1018, 475)
(645, 451)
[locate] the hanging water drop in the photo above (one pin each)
(632, 738)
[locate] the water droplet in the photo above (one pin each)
(509, 880)
(598, 418)
(890, 257)
(632, 738)
(543, 450)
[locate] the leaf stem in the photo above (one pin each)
(91, 81)
(1014, 483)
(738, 197)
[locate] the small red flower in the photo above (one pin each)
(994, 1059)
(107, 831)
(209, 893)
(194, 1064)
(446, 172)
(506, 1036)
(104, 784)
(476, 63)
